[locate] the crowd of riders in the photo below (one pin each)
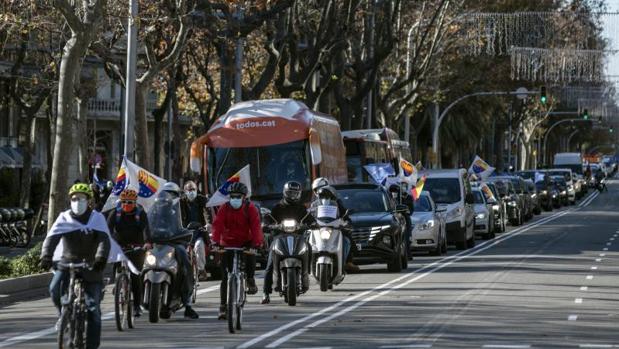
(87, 235)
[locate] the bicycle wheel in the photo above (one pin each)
(232, 302)
(65, 335)
(196, 274)
(80, 327)
(121, 302)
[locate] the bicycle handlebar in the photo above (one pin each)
(82, 265)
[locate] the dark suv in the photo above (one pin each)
(378, 225)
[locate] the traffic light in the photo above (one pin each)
(542, 94)
(585, 114)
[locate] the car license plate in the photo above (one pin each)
(358, 247)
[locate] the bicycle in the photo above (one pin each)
(236, 288)
(72, 329)
(195, 271)
(123, 295)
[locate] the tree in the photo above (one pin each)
(83, 21)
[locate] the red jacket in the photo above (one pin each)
(237, 228)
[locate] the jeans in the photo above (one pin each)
(92, 293)
(185, 274)
(226, 265)
(346, 244)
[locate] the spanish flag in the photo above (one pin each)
(418, 188)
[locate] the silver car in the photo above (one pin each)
(484, 215)
(428, 227)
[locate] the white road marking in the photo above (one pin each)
(397, 346)
(608, 243)
(594, 268)
(572, 318)
(602, 254)
(578, 300)
(589, 277)
(515, 346)
(605, 249)
(596, 346)
(598, 260)
(584, 288)
(449, 260)
(611, 239)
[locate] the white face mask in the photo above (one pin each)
(79, 207)
(236, 203)
(191, 195)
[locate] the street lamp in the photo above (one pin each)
(550, 130)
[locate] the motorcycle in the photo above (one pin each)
(161, 285)
(289, 253)
(327, 244)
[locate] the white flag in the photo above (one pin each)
(408, 172)
(480, 168)
(132, 176)
(221, 196)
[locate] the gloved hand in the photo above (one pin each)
(99, 264)
(46, 263)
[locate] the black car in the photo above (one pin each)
(561, 186)
(513, 202)
(378, 225)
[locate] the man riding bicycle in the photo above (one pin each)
(128, 225)
(193, 210)
(237, 224)
(84, 237)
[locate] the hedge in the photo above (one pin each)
(26, 264)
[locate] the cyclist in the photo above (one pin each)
(128, 224)
(185, 273)
(80, 234)
(237, 224)
(193, 210)
(290, 207)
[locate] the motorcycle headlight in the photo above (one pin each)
(290, 225)
(480, 216)
(325, 233)
(564, 192)
(496, 207)
(544, 192)
(512, 203)
(150, 259)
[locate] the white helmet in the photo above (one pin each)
(319, 183)
(171, 187)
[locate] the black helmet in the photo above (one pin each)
(394, 188)
(238, 188)
(327, 192)
(292, 191)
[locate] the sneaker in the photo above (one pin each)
(223, 312)
(190, 313)
(266, 299)
(58, 323)
(251, 286)
(351, 268)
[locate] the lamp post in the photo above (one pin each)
(132, 42)
(544, 149)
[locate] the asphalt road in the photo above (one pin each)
(551, 283)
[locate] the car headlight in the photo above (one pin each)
(564, 192)
(151, 260)
(544, 192)
(325, 233)
(427, 225)
(456, 213)
(480, 216)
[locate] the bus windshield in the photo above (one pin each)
(270, 166)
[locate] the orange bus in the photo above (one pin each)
(369, 146)
(281, 140)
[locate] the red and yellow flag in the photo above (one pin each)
(418, 188)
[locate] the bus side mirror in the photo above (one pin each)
(315, 151)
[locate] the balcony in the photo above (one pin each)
(110, 109)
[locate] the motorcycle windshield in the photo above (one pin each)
(164, 218)
(326, 211)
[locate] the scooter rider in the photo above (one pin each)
(185, 272)
(329, 193)
(290, 207)
(128, 225)
(193, 210)
(322, 182)
(400, 194)
(237, 224)
(83, 235)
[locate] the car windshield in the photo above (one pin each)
(364, 200)
(479, 198)
(564, 174)
(443, 190)
(423, 205)
(270, 167)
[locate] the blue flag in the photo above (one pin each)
(379, 172)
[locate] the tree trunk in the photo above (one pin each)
(143, 153)
(82, 142)
(158, 115)
(26, 178)
(74, 50)
(226, 78)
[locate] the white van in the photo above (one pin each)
(572, 161)
(451, 191)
